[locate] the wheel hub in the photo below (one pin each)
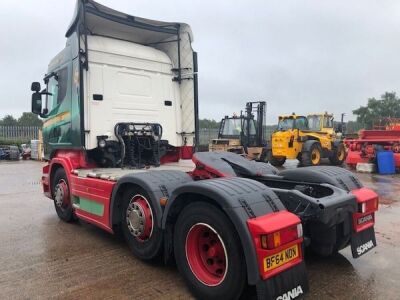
(61, 195)
(139, 218)
(315, 156)
(206, 254)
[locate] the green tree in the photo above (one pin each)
(29, 119)
(207, 123)
(9, 120)
(378, 109)
(353, 126)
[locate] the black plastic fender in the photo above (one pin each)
(328, 210)
(156, 183)
(335, 176)
(307, 145)
(240, 199)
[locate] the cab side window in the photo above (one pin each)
(57, 88)
(52, 88)
(328, 122)
(301, 123)
(62, 84)
(314, 123)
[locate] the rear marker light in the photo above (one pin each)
(299, 230)
(264, 243)
(368, 206)
(376, 204)
(362, 207)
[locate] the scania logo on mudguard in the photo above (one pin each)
(294, 293)
(364, 219)
(365, 247)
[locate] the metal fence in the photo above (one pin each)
(22, 133)
(207, 134)
(19, 133)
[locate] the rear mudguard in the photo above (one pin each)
(295, 277)
(307, 145)
(240, 199)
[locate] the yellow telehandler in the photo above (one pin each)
(306, 138)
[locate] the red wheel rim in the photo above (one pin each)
(206, 254)
(139, 218)
(61, 194)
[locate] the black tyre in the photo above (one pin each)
(208, 253)
(139, 225)
(338, 155)
(275, 161)
(62, 196)
(264, 156)
(299, 157)
(313, 156)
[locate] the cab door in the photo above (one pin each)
(300, 124)
(57, 125)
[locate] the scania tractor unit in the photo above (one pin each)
(120, 110)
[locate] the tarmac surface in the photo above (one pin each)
(43, 257)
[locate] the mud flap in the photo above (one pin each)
(362, 242)
(290, 284)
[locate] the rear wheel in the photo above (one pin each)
(338, 155)
(139, 224)
(313, 156)
(275, 161)
(61, 196)
(208, 252)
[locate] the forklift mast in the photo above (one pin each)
(257, 109)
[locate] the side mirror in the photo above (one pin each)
(36, 103)
(35, 86)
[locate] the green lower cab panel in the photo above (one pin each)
(88, 205)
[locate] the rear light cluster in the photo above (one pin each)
(278, 241)
(367, 205)
(281, 237)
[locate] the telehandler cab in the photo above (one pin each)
(308, 139)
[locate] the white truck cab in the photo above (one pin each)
(121, 69)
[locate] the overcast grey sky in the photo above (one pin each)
(302, 56)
